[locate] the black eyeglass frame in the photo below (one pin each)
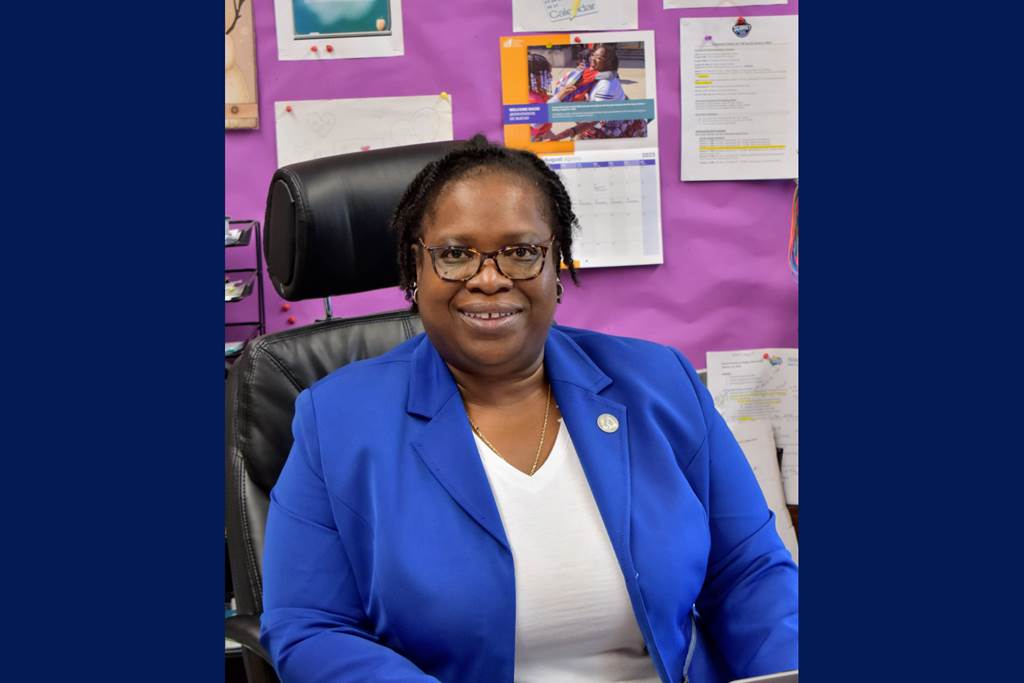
(492, 255)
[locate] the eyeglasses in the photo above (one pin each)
(516, 261)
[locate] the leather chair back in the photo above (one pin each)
(327, 233)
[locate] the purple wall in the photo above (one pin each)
(725, 283)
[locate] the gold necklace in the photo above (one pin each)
(543, 433)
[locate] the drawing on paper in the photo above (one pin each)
(320, 128)
(315, 19)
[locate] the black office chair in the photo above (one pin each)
(326, 233)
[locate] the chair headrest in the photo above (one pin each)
(327, 221)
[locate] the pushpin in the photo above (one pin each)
(548, 46)
(330, 48)
(312, 48)
(444, 96)
(765, 356)
(577, 39)
(286, 307)
(288, 108)
(364, 148)
(291, 320)
(707, 38)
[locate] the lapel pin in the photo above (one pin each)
(608, 423)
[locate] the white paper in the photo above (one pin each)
(739, 98)
(616, 198)
(677, 4)
(296, 41)
(758, 443)
(762, 384)
(574, 15)
(233, 289)
(320, 128)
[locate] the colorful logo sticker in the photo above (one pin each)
(741, 28)
(772, 360)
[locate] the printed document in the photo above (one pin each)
(585, 103)
(762, 384)
(738, 83)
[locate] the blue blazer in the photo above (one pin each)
(386, 559)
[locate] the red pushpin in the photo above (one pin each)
(312, 48)
(288, 109)
(330, 48)
(291, 320)
(577, 39)
(765, 356)
(286, 307)
(364, 148)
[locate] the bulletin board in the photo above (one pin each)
(726, 281)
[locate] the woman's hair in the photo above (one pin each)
(610, 54)
(539, 69)
(474, 157)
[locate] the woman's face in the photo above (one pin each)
(599, 59)
(487, 212)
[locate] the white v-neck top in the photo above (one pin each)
(574, 620)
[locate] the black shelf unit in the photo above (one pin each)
(248, 233)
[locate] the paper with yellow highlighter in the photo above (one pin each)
(738, 84)
(762, 384)
(574, 15)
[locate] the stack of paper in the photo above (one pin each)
(762, 384)
(758, 443)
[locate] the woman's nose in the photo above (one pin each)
(489, 279)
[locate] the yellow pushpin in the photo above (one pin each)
(445, 96)
(548, 46)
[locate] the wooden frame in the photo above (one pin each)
(241, 104)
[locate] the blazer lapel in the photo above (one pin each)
(448, 450)
(446, 445)
(576, 383)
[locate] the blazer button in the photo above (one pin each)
(608, 423)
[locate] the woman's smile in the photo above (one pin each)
(490, 318)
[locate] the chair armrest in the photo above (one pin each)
(244, 629)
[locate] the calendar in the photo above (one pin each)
(616, 200)
(585, 104)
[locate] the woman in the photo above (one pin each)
(505, 499)
(605, 86)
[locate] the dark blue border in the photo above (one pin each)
(910, 472)
(909, 305)
(113, 485)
